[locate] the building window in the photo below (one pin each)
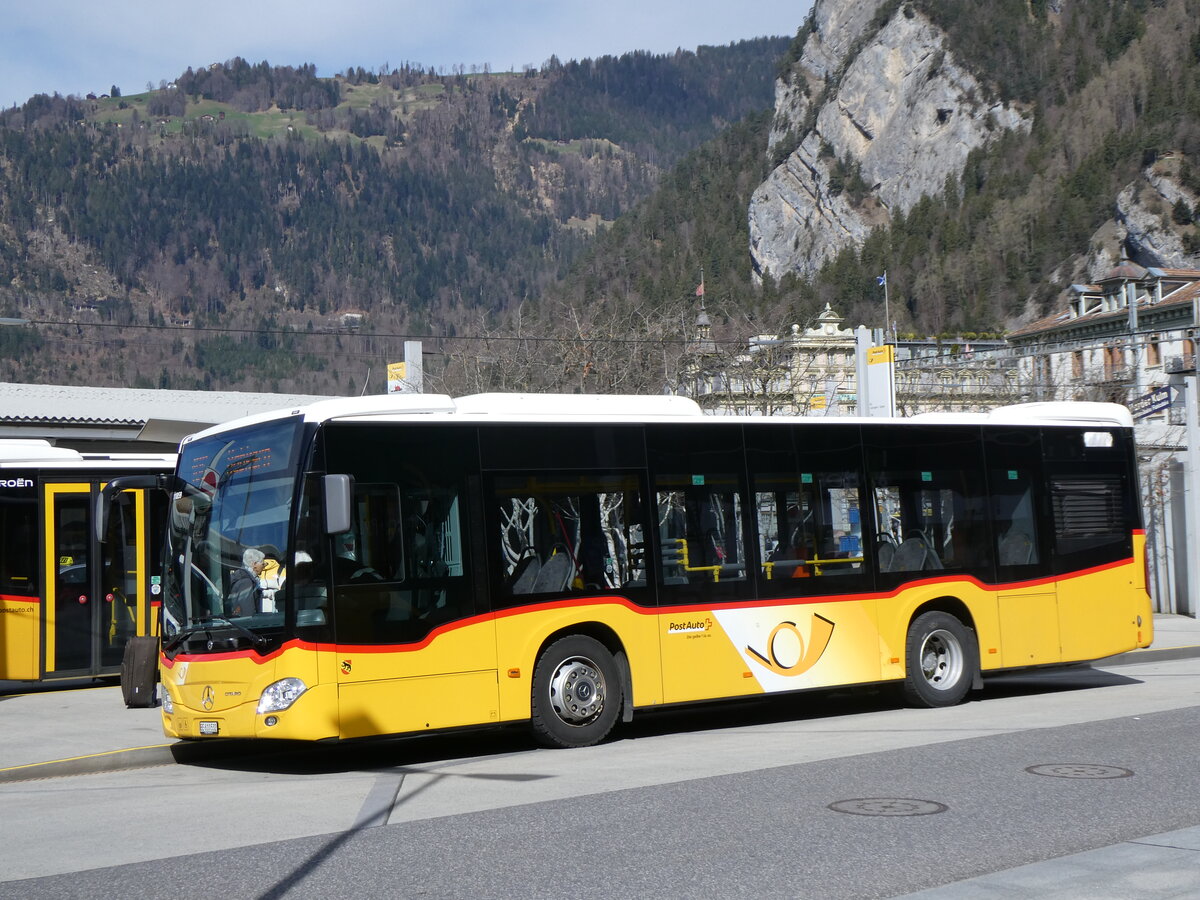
(1114, 362)
(1041, 371)
(1153, 357)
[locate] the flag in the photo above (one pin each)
(700, 290)
(881, 280)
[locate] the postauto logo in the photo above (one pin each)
(692, 625)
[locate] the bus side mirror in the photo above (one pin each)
(107, 496)
(339, 496)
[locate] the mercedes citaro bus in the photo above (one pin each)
(569, 560)
(68, 601)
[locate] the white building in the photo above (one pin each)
(1130, 339)
(812, 371)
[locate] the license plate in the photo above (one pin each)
(209, 727)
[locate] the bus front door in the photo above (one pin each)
(92, 604)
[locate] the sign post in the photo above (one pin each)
(407, 377)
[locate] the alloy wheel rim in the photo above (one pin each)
(577, 691)
(941, 659)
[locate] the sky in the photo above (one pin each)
(81, 46)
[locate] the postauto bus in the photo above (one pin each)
(569, 560)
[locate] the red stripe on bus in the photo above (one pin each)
(617, 600)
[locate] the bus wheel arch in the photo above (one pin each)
(578, 689)
(941, 654)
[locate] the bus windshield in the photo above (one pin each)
(228, 538)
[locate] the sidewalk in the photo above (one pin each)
(1158, 866)
(1175, 637)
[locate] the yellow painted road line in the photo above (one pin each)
(71, 759)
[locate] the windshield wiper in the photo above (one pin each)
(178, 638)
(257, 641)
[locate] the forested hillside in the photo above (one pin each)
(260, 227)
(241, 208)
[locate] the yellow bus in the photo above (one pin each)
(569, 560)
(68, 602)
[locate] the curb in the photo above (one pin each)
(1150, 654)
(113, 760)
(181, 753)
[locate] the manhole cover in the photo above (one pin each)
(1078, 770)
(888, 806)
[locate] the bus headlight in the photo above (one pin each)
(280, 695)
(164, 697)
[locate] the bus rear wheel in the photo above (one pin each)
(940, 661)
(576, 693)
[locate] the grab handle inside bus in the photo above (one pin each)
(339, 498)
(169, 483)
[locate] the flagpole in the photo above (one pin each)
(887, 316)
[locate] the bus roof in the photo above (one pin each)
(28, 451)
(1074, 412)
(529, 407)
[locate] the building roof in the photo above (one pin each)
(1126, 270)
(103, 413)
(1066, 319)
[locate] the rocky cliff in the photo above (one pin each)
(880, 113)
(1155, 216)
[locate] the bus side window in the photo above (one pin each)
(930, 501)
(368, 551)
(700, 528)
(18, 554)
(399, 570)
(702, 551)
(809, 525)
(927, 520)
(566, 532)
(1015, 518)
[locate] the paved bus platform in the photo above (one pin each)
(83, 727)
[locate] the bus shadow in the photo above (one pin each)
(395, 754)
(366, 755)
(822, 704)
(1051, 681)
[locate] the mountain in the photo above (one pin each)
(984, 155)
(255, 226)
(565, 228)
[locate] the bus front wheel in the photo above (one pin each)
(940, 660)
(576, 693)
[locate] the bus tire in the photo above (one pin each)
(940, 661)
(576, 693)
